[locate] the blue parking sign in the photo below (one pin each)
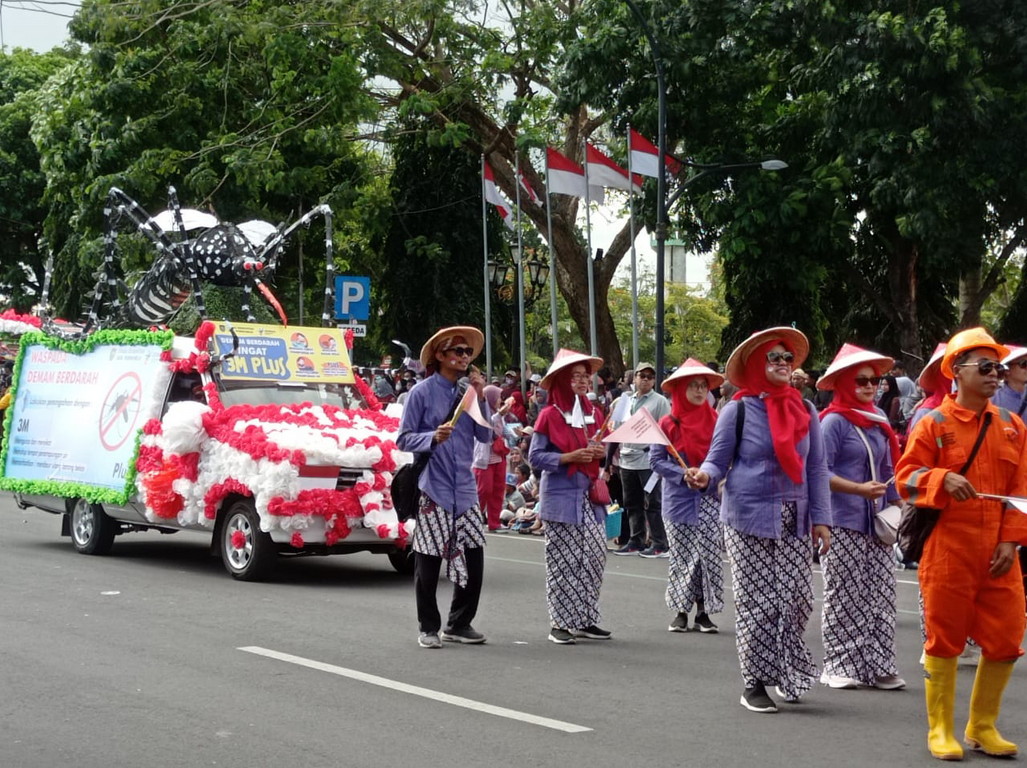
(352, 297)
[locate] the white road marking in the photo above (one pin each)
(414, 690)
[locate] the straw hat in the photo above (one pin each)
(692, 367)
(568, 357)
(795, 340)
(850, 356)
(931, 379)
(472, 336)
(964, 341)
(1015, 353)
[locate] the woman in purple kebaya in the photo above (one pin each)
(776, 504)
(859, 571)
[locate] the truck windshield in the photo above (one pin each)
(264, 393)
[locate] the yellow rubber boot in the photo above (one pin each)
(940, 688)
(985, 702)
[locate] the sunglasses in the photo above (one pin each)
(645, 375)
(1018, 364)
(780, 357)
(460, 351)
(985, 367)
(862, 381)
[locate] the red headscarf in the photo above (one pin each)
(517, 409)
(786, 411)
(552, 423)
(863, 415)
(689, 427)
(936, 397)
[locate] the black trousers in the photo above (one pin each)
(465, 599)
(644, 509)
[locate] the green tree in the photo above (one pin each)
(248, 109)
(482, 76)
(22, 183)
(899, 122)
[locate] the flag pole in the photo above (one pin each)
(488, 286)
(634, 268)
(552, 263)
(520, 276)
(591, 267)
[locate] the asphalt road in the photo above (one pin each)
(153, 656)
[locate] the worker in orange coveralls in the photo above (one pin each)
(969, 574)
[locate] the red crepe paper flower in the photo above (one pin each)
(297, 540)
(160, 497)
(238, 540)
(217, 493)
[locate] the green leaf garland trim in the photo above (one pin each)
(91, 493)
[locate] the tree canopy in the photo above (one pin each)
(901, 211)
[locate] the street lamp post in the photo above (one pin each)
(662, 203)
(508, 286)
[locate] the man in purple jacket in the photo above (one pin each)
(449, 523)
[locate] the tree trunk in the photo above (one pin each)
(970, 300)
(903, 284)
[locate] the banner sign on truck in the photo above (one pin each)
(77, 411)
(275, 353)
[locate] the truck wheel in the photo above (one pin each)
(92, 531)
(247, 552)
(403, 560)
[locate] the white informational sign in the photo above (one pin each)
(76, 416)
(359, 329)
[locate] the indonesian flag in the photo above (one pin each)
(469, 405)
(526, 188)
(494, 196)
(566, 177)
(645, 156)
(602, 171)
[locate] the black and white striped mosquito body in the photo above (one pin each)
(193, 247)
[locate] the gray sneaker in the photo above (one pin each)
(561, 636)
(679, 624)
(467, 635)
(429, 640)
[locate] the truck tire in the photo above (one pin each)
(403, 560)
(254, 559)
(92, 531)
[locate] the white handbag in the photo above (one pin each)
(886, 520)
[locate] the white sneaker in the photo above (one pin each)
(838, 681)
(889, 683)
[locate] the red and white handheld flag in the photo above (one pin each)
(602, 171)
(469, 405)
(494, 196)
(640, 428)
(645, 156)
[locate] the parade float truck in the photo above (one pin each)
(260, 436)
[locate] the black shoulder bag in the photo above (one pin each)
(916, 523)
(404, 490)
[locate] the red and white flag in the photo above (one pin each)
(640, 428)
(645, 156)
(527, 190)
(469, 405)
(602, 171)
(566, 177)
(494, 196)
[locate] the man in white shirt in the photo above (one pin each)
(642, 498)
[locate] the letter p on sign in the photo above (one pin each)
(352, 298)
